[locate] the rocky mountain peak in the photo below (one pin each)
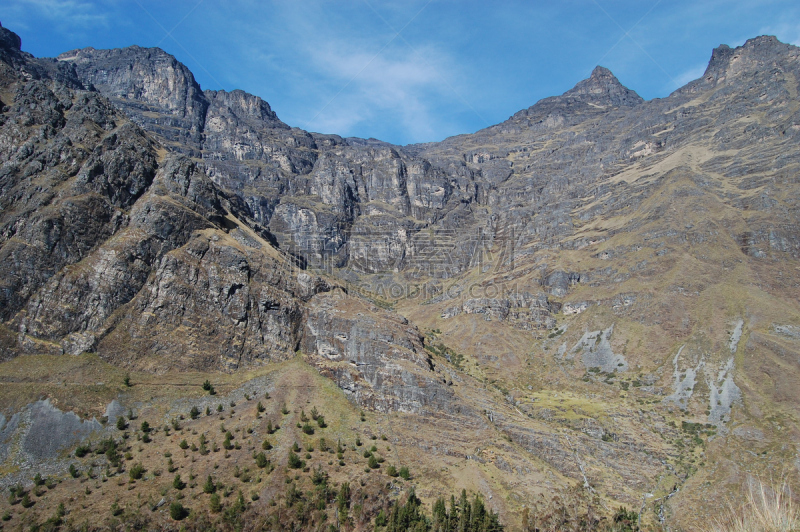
(572, 249)
(753, 55)
(245, 105)
(9, 41)
(603, 88)
(149, 75)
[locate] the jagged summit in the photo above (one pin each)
(600, 271)
(9, 40)
(603, 88)
(597, 93)
(754, 54)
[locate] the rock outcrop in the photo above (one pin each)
(166, 227)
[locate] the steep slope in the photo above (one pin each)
(604, 289)
(666, 236)
(113, 245)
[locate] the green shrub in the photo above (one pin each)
(261, 460)
(177, 511)
(26, 501)
(137, 471)
(214, 504)
(209, 486)
(319, 477)
(183, 444)
(82, 450)
(626, 520)
(295, 462)
(404, 473)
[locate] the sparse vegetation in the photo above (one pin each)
(294, 461)
(136, 471)
(177, 511)
(261, 460)
(766, 509)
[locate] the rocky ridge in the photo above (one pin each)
(638, 253)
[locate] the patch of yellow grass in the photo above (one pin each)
(767, 509)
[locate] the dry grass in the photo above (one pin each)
(767, 509)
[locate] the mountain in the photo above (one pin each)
(595, 300)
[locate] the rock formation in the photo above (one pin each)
(639, 253)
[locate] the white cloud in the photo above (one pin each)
(690, 74)
(356, 72)
(370, 83)
(68, 16)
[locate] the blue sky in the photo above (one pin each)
(412, 70)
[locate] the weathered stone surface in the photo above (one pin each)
(666, 218)
(376, 357)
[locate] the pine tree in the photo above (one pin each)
(261, 460)
(463, 518)
(214, 503)
(295, 462)
(343, 502)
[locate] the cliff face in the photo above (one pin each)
(111, 243)
(637, 257)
